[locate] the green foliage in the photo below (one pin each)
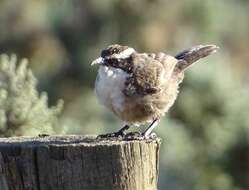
(22, 110)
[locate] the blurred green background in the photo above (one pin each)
(206, 134)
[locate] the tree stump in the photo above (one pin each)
(78, 163)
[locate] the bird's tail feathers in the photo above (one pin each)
(189, 56)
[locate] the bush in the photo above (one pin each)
(23, 111)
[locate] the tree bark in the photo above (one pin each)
(78, 163)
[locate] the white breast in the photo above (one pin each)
(109, 86)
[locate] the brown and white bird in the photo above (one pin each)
(141, 87)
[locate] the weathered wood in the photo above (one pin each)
(78, 163)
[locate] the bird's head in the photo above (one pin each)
(113, 55)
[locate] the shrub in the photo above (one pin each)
(23, 111)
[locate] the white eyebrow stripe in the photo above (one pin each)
(125, 54)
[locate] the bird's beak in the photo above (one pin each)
(98, 61)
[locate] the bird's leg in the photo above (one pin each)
(148, 131)
(123, 129)
(120, 132)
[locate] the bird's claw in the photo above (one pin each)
(128, 136)
(150, 136)
(119, 134)
(111, 135)
(133, 135)
(139, 136)
(43, 135)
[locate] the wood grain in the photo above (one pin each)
(78, 163)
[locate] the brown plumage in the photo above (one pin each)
(150, 90)
(141, 87)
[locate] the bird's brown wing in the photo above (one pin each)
(150, 73)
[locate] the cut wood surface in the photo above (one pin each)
(78, 163)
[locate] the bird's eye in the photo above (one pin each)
(115, 50)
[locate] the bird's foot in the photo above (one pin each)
(43, 135)
(133, 136)
(111, 135)
(149, 136)
(120, 133)
(139, 136)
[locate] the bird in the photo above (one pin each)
(140, 88)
